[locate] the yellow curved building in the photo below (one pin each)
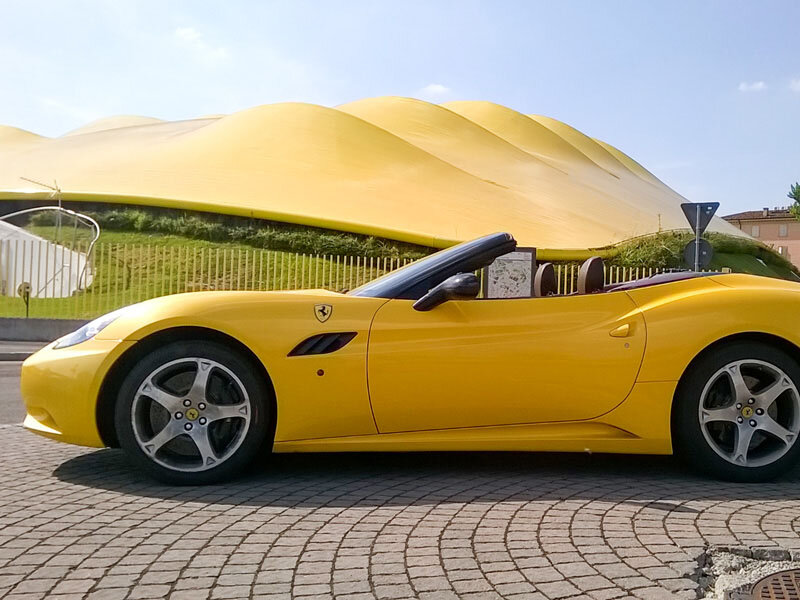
(393, 167)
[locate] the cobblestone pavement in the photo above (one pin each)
(79, 523)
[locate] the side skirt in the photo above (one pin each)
(640, 425)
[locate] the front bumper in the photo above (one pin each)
(60, 389)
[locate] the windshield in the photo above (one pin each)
(413, 281)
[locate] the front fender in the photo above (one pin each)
(317, 396)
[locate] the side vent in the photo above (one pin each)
(323, 343)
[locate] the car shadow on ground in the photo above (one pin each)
(370, 479)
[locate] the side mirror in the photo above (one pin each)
(464, 286)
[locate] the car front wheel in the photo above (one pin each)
(192, 413)
(737, 412)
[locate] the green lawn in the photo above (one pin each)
(134, 266)
(131, 267)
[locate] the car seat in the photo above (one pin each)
(591, 276)
(544, 282)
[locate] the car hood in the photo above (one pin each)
(232, 312)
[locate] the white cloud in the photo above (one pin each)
(754, 86)
(190, 38)
(436, 89)
(433, 91)
(794, 85)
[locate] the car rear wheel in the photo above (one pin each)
(192, 413)
(737, 412)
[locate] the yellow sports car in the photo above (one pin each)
(196, 386)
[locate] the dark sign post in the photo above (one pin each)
(24, 291)
(699, 216)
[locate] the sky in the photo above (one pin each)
(705, 94)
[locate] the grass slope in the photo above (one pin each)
(131, 267)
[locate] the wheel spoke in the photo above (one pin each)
(215, 412)
(170, 431)
(203, 444)
(728, 414)
(740, 389)
(198, 390)
(744, 434)
(169, 401)
(774, 428)
(768, 396)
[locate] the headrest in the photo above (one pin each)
(544, 282)
(591, 277)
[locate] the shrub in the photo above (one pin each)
(253, 232)
(665, 250)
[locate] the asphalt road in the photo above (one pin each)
(11, 410)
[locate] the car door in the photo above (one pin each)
(472, 363)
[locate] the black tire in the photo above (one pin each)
(689, 441)
(252, 437)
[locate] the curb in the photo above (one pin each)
(14, 356)
(36, 330)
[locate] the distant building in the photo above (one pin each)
(776, 227)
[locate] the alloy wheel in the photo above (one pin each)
(190, 414)
(750, 412)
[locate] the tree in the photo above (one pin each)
(794, 195)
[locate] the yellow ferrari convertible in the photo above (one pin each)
(194, 387)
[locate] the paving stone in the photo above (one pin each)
(81, 523)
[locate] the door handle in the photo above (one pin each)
(621, 331)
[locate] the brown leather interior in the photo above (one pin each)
(544, 282)
(591, 277)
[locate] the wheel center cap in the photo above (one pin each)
(747, 412)
(193, 413)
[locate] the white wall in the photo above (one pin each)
(53, 270)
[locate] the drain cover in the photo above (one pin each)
(784, 585)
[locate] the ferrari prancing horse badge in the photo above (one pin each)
(323, 312)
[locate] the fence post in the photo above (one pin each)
(11, 272)
(351, 273)
(148, 274)
(81, 272)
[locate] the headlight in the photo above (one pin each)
(89, 330)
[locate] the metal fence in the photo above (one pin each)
(120, 274)
(567, 275)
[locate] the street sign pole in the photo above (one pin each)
(697, 241)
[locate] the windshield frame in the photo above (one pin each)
(414, 280)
